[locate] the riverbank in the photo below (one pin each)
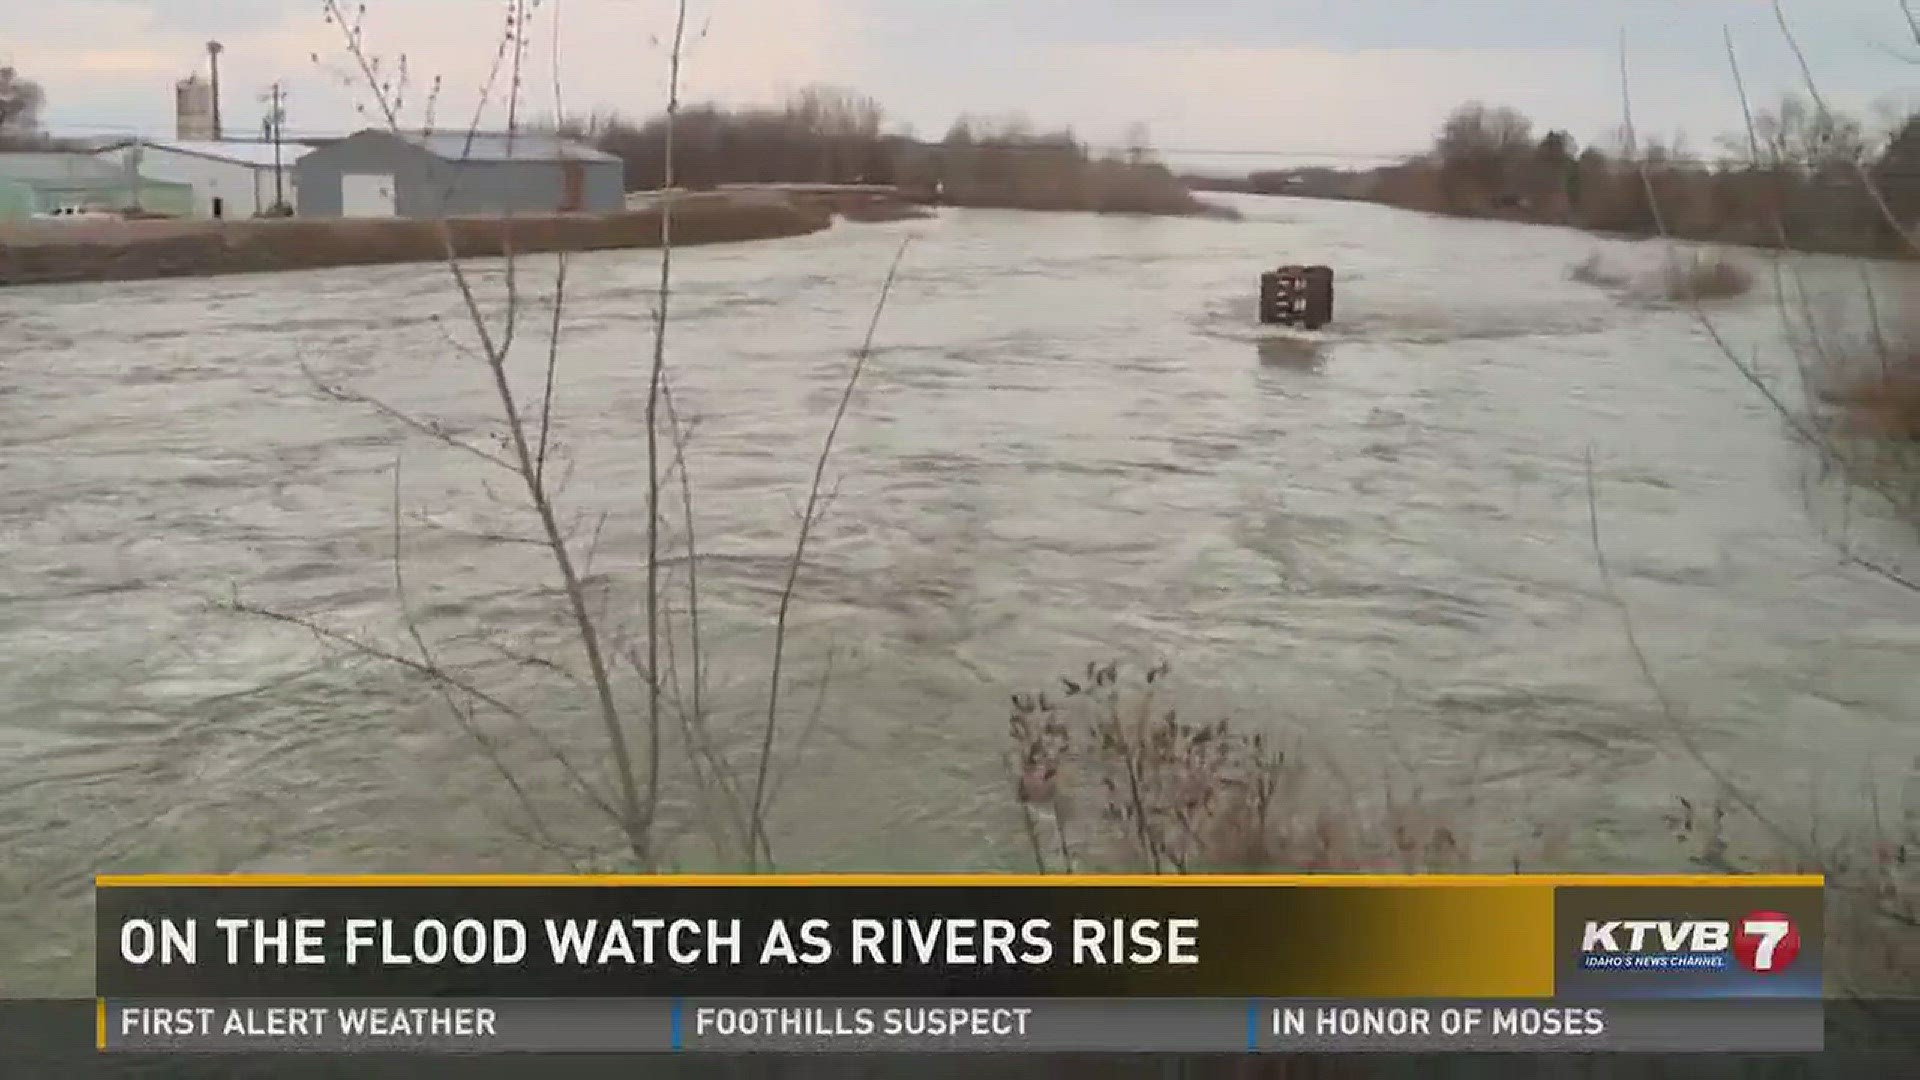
(1115, 190)
(1762, 236)
(42, 253)
(46, 253)
(869, 207)
(1170, 205)
(1104, 189)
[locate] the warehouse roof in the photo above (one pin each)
(259, 155)
(520, 146)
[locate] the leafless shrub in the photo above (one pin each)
(1871, 376)
(1886, 404)
(1873, 878)
(1704, 275)
(1864, 404)
(1108, 775)
(1693, 276)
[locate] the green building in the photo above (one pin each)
(38, 181)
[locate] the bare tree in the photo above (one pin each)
(1480, 145)
(21, 100)
(527, 451)
(1800, 135)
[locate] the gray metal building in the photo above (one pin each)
(380, 174)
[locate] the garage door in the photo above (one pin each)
(366, 195)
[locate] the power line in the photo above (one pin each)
(298, 134)
(735, 143)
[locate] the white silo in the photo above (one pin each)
(193, 109)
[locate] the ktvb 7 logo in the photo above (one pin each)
(1764, 942)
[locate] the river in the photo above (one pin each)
(1073, 442)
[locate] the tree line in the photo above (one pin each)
(21, 100)
(1793, 178)
(832, 136)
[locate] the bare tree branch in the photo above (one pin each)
(553, 365)
(1805, 429)
(806, 528)
(1867, 183)
(655, 382)
(635, 817)
(371, 651)
(486, 536)
(428, 663)
(806, 733)
(1667, 708)
(1807, 855)
(430, 429)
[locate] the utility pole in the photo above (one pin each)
(136, 154)
(214, 49)
(275, 123)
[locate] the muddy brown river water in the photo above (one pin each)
(1073, 443)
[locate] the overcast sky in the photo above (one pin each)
(1350, 80)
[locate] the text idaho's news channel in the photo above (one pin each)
(960, 963)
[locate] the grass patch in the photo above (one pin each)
(1707, 275)
(1864, 392)
(1699, 276)
(1885, 404)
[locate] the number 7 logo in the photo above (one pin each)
(1766, 942)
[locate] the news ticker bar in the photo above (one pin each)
(958, 1025)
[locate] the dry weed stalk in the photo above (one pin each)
(1873, 914)
(1682, 276)
(1167, 795)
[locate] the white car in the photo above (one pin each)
(75, 213)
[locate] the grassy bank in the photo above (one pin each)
(867, 207)
(129, 250)
(1092, 191)
(1093, 195)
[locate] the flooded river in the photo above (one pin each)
(1073, 443)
